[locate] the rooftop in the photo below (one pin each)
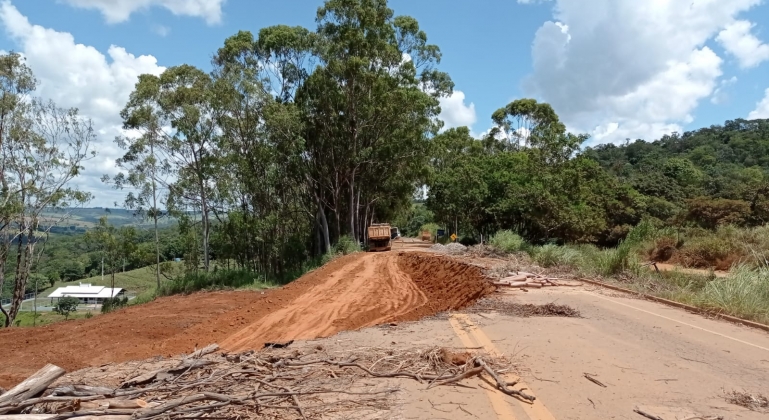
(85, 291)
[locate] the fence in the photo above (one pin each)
(8, 301)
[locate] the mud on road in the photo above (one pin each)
(350, 293)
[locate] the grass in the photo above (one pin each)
(27, 319)
(507, 242)
(135, 282)
(744, 293)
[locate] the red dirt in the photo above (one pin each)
(352, 292)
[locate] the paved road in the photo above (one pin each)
(667, 362)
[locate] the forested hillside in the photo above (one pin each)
(547, 189)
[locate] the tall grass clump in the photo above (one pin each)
(610, 262)
(745, 293)
(215, 280)
(551, 255)
(507, 241)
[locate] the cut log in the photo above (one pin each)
(81, 391)
(520, 277)
(27, 416)
(204, 351)
(30, 387)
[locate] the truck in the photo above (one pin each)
(380, 236)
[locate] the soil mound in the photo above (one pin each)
(351, 292)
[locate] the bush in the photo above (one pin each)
(553, 255)
(507, 241)
(116, 302)
(221, 279)
(66, 306)
(346, 245)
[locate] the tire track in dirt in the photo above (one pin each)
(349, 293)
(367, 292)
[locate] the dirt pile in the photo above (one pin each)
(352, 292)
(448, 284)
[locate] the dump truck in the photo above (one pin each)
(380, 237)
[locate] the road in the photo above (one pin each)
(663, 360)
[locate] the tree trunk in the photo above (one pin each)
(30, 387)
(18, 284)
(324, 229)
(155, 216)
(352, 207)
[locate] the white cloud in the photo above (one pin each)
(762, 108)
(161, 30)
(720, 95)
(116, 11)
(738, 40)
(76, 75)
(635, 69)
(454, 112)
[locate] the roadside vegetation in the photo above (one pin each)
(742, 292)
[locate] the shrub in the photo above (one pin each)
(745, 293)
(221, 279)
(346, 245)
(66, 306)
(553, 255)
(88, 315)
(507, 241)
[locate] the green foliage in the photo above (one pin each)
(88, 315)
(745, 293)
(66, 305)
(507, 241)
(114, 303)
(552, 255)
(346, 245)
(220, 279)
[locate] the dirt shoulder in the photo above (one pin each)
(349, 293)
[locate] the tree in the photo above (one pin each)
(147, 166)
(42, 149)
(116, 245)
(66, 306)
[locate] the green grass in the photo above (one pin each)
(27, 319)
(135, 282)
(507, 241)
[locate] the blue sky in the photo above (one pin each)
(614, 69)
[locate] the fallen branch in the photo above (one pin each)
(593, 380)
(502, 385)
(647, 415)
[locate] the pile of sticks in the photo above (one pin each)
(272, 383)
(526, 280)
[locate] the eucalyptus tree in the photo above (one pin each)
(42, 149)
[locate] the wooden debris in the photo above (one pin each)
(647, 415)
(31, 387)
(265, 384)
(593, 380)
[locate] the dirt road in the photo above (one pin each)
(352, 292)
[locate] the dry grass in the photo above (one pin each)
(753, 402)
(506, 307)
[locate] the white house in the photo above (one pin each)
(87, 293)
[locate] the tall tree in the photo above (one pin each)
(42, 148)
(146, 165)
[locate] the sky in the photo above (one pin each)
(613, 69)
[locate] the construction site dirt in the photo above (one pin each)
(350, 293)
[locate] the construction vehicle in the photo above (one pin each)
(380, 237)
(427, 236)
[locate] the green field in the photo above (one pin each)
(135, 281)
